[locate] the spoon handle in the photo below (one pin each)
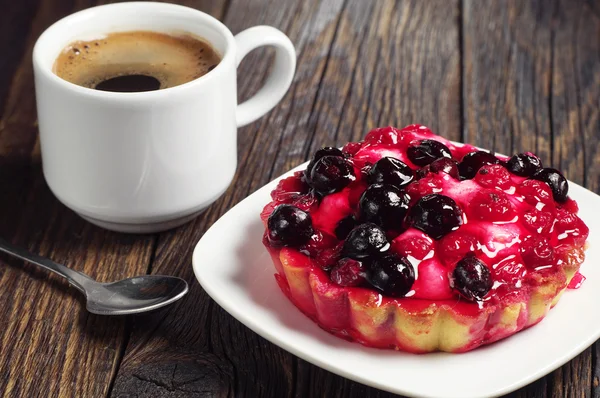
(75, 278)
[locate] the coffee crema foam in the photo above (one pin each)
(170, 59)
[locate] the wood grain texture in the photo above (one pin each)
(506, 75)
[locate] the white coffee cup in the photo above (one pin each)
(148, 161)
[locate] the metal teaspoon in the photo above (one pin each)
(127, 296)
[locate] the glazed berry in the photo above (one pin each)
(557, 182)
(471, 278)
(539, 221)
(392, 275)
(427, 185)
(383, 135)
(289, 226)
(348, 272)
(423, 152)
(325, 151)
(344, 226)
(441, 165)
(524, 164)
(384, 205)
(331, 174)
(488, 205)
(290, 186)
(436, 215)
(390, 170)
(571, 230)
(456, 245)
(351, 148)
(473, 161)
(493, 176)
(536, 193)
(445, 165)
(536, 251)
(364, 241)
(510, 273)
(416, 245)
(318, 243)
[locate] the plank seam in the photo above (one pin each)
(578, 97)
(321, 79)
(551, 79)
(371, 88)
(352, 83)
(120, 356)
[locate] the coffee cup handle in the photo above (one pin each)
(280, 78)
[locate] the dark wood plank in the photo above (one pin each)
(574, 102)
(531, 75)
(50, 345)
(576, 91)
(507, 75)
(16, 20)
(393, 63)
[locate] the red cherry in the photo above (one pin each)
(317, 243)
(569, 228)
(510, 271)
(348, 272)
(383, 135)
(351, 148)
(414, 245)
(445, 165)
(267, 210)
(456, 245)
(492, 176)
(571, 205)
(438, 166)
(535, 192)
(430, 184)
(293, 184)
(417, 130)
(536, 251)
(491, 206)
(538, 221)
(328, 256)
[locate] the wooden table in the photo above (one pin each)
(506, 75)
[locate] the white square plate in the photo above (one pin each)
(235, 269)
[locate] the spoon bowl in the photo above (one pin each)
(134, 295)
(127, 296)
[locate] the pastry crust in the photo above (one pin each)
(415, 325)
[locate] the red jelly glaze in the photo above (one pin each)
(577, 281)
(510, 223)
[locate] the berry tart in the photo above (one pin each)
(409, 241)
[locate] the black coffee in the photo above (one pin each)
(129, 84)
(136, 61)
